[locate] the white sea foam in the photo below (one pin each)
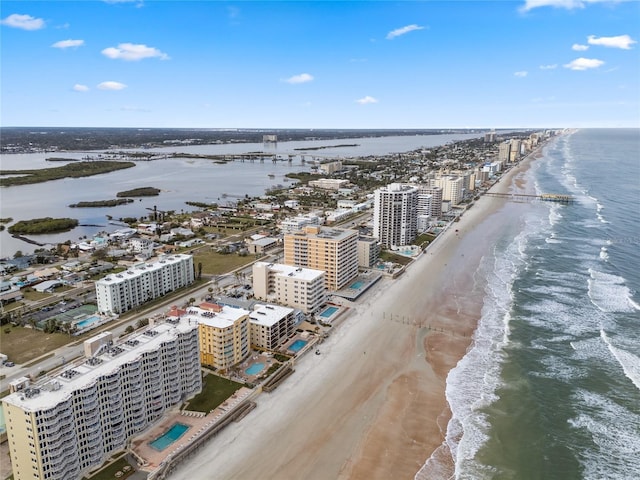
(613, 430)
(471, 385)
(630, 363)
(604, 254)
(554, 214)
(609, 293)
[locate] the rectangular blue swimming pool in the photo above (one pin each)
(327, 312)
(87, 321)
(170, 436)
(297, 345)
(356, 285)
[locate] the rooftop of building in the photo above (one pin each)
(269, 315)
(215, 315)
(58, 385)
(306, 274)
(327, 233)
(136, 270)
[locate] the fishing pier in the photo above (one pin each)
(545, 197)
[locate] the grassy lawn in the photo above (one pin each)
(23, 344)
(424, 239)
(13, 306)
(215, 390)
(387, 256)
(214, 263)
(109, 473)
(34, 296)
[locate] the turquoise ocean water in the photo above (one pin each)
(551, 387)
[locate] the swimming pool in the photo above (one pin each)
(170, 436)
(297, 345)
(357, 285)
(327, 312)
(254, 369)
(87, 321)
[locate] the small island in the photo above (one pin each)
(140, 192)
(102, 203)
(72, 170)
(43, 225)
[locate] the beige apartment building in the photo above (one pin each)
(333, 250)
(297, 287)
(224, 334)
(72, 420)
(271, 326)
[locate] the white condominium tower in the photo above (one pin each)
(395, 214)
(123, 291)
(333, 250)
(73, 420)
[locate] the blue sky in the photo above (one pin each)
(322, 64)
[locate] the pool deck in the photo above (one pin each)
(366, 279)
(198, 423)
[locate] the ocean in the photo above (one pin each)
(551, 387)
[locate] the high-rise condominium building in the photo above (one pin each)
(504, 152)
(73, 420)
(224, 334)
(333, 250)
(435, 204)
(297, 287)
(395, 214)
(123, 291)
(452, 188)
(368, 252)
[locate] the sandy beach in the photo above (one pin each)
(372, 405)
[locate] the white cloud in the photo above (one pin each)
(133, 52)
(25, 22)
(568, 4)
(68, 43)
(521, 74)
(621, 41)
(110, 85)
(80, 88)
(579, 48)
(302, 78)
(549, 67)
(584, 64)
(366, 100)
(401, 31)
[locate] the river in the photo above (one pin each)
(180, 179)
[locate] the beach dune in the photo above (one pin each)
(372, 405)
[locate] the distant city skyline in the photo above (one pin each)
(320, 64)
